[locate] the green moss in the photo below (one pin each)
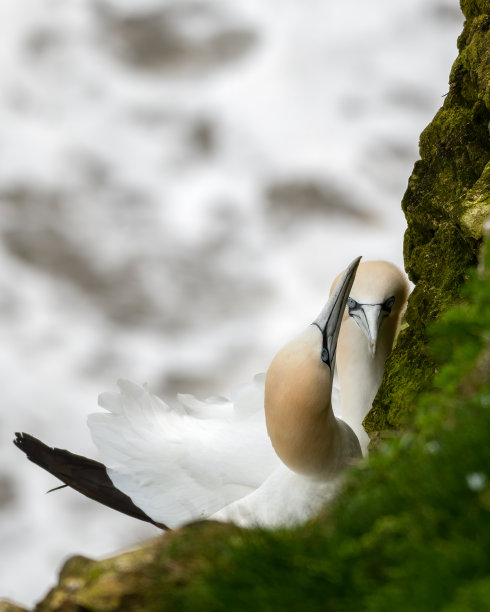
(446, 203)
(477, 205)
(471, 597)
(473, 8)
(75, 566)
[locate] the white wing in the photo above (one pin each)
(185, 463)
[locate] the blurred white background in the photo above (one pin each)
(180, 181)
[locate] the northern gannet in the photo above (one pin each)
(270, 456)
(376, 303)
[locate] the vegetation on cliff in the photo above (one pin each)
(446, 203)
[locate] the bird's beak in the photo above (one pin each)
(330, 318)
(369, 317)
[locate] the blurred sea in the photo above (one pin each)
(180, 182)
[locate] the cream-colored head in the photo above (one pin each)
(377, 299)
(300, 422)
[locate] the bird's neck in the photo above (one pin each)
(302, 427)
(360, 373)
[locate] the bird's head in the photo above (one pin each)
(298, 387)
(378, 295)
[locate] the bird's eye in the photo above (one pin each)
(351, 303)
(325, 356)
(388, 304)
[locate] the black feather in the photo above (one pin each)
(82, 474)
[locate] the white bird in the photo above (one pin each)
(269, 456)
(375, 306)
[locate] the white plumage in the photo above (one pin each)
(185, 463)
(272, 454)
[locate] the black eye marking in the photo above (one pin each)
(325, 355)
(388, 304)
(352, 304)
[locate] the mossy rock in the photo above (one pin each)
(111, 584)
(7, 606)
(157, 570)
(446, 204)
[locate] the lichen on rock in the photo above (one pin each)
(110, 584)
(446, 203)
(7, 606)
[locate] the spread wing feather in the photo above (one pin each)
(185, 463)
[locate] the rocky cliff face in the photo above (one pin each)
(445, 204)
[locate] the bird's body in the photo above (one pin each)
(272, 455)
(285, 498)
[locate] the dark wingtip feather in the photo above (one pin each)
(82, 474)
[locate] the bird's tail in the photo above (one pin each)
(82, 474)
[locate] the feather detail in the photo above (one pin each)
(186, 463)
